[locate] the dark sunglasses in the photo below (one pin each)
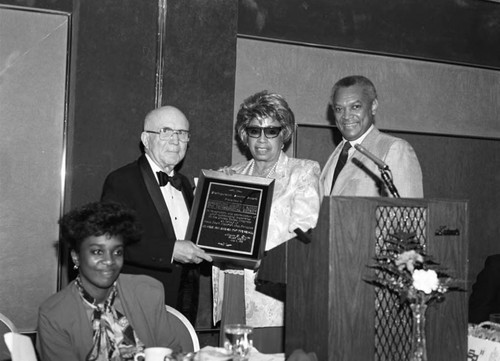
(269, 132)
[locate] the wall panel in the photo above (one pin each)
(33, 68)
(417, 96)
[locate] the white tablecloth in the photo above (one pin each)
(209, 353)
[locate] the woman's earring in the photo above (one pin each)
(75, 266)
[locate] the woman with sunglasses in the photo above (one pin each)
(265, 125)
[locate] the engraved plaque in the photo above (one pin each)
(230, 216)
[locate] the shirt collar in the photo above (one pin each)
(155, 167)
(360, 139)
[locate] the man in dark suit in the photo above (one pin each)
(162, 199)
(485, 297)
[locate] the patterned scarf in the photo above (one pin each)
(114, 339)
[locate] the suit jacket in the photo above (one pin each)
(485, 296)
(135, 185)
(296, 200)
(64, 328)
(361, 176)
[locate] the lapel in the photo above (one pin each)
(155, 193)
(187, 192)
(352, 171)
(328, 170)
(281, 167)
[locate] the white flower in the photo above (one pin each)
(408, 259)
(425, 280)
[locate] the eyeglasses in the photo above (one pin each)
(269, 132)
(167, 133)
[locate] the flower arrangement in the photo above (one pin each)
(407, 271)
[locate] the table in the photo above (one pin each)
(210, 353)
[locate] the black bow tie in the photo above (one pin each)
(164, 179)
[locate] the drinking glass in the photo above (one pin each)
(238, 339)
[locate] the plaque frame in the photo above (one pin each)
(230, 217)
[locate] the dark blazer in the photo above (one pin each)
(485, 296)
(135, 185)
(65, 331)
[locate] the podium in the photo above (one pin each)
(333, 312)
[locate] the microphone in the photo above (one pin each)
(374, 159)
(384, 169)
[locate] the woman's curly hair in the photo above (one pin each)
(97, 219)
(262, 105)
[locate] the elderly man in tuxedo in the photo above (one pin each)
(351, 173)
(162, 199)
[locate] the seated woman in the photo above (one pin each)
(265, 124)
(103, 315)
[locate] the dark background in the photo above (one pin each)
(458, 31)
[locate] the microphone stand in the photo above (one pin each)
(387, 178)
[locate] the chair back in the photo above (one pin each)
(20, 346)
(185, 330)
(6, 326)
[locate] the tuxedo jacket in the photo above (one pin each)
(485, 296)
(136, 186)
(361, 176)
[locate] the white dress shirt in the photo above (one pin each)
(177, 207)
